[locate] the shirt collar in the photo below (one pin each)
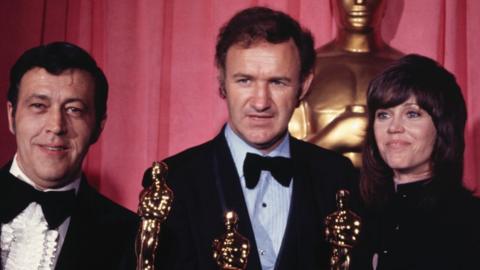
(18, 173)
(239, 148)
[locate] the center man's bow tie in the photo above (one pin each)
(56, 205)
(279, 167)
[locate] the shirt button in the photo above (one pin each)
(264, 205)
(262, 252)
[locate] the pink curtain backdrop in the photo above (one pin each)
(158, 57)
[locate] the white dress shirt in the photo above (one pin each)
(268, 203)
(26, 241)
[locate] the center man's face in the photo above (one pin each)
(53, 124)
(262, 87)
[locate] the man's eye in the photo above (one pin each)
(243, 81)
(74, 110)
(38, 106)
(278, 83)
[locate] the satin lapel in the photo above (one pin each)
(3, 175)
(78, 237)
(289, 253)
(233, 194)
(298, 250)
(5, 188)
(68, 258)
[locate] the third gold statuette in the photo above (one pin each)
(154, 206)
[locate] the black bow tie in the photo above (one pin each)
(279, 167)
(56, 205)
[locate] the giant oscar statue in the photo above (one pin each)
(333, 114)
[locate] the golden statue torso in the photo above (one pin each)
(230, 250)
(333, 115)
(342, 229)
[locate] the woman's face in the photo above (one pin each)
(405, 136)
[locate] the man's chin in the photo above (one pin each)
(53, 179)
(266, 144)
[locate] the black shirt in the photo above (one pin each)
(422, 228)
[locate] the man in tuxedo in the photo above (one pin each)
(50, 217)
(281, 188)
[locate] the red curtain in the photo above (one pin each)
(158, 57)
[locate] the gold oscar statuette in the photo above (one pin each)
(153, 208)
(342, 228)
(231, 250)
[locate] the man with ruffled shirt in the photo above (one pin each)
(50, 217)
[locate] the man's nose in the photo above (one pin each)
(56, 122)
(261, 97)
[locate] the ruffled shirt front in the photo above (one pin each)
(26, 242)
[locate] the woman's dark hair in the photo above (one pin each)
(264, 24)
(437, 92)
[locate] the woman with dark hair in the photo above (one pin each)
(419, 214)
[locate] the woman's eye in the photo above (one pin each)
(381, 115)
(413, 114)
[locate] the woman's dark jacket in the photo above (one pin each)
(424, 227)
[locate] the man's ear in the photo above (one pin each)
(221, 83)
(222, 91)
(98, 130)
(11, 117)
(305, 87)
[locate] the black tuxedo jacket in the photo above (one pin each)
(101, 234)
(196, 217)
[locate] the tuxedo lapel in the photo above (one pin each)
(303, 237)
(68, 258)
(78, 233)
(289, 254)
(98, 234)
(232, 193)
(6, 190)
(4, 173)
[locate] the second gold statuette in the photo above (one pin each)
(154, 206)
